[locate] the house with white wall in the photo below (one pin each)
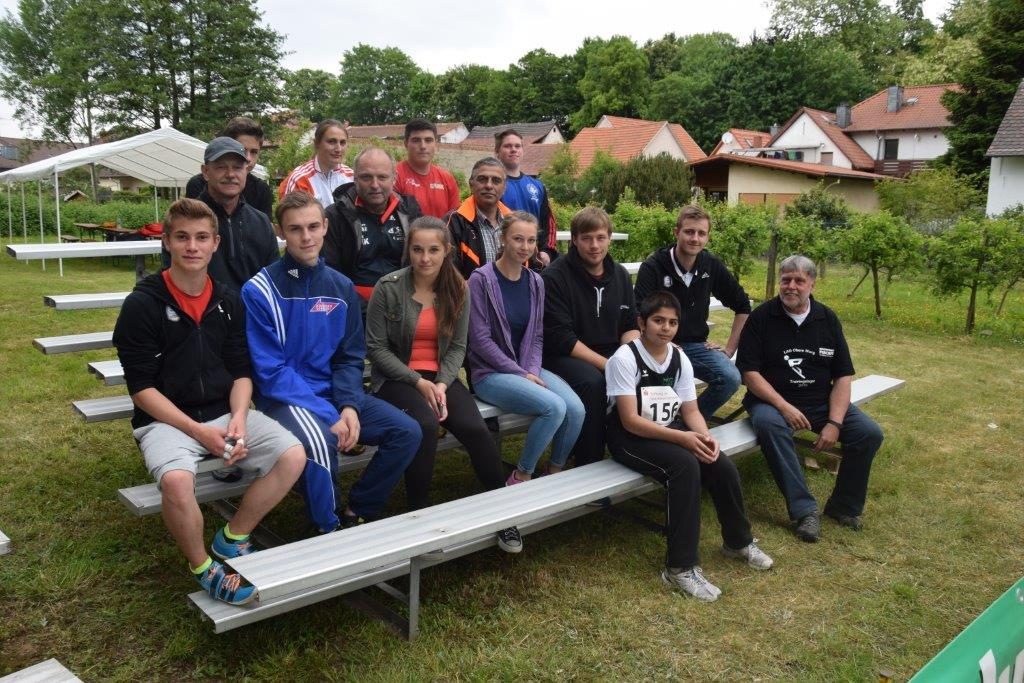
(1006, 173)
(894, 132)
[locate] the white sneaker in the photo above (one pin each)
(755, 557)
(692, 582)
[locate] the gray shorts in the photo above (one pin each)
(166, 448)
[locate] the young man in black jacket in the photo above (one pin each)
(694, 276)
(181, 339)
(589, 312)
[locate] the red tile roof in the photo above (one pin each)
(690, 147)
(627, 138)
(532, 132)
(746, 139)
(395, 131)
(1009, 140)
(826, 121)
(926, 112)
(817, 170)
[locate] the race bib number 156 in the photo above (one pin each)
(659, 404)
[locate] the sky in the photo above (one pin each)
(461, 33)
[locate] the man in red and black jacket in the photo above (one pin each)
(476, 225)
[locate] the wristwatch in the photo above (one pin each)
(837, 425)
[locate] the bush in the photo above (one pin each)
(649, 228)
(739, 234)
(128, 214)
(931, 200)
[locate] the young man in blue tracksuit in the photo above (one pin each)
(306, 341)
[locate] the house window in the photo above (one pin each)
(826, 158)
(892, 150)
(9, 152)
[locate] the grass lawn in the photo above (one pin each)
(104, 591)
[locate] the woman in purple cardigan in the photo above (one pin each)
(506, 327)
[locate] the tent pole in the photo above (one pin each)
(156, 206)
(56, 200)
(24, 216)
(10, 219)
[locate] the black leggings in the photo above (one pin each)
(683, 475)
(463, 421)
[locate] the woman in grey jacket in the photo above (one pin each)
(416, 325)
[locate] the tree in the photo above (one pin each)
(615, 82)
(653, 180)
(543, 88)
(308, 91)
(49, 66)
(867, 28)
(829, 210)
(1011, 256)
(971, 257)
(662, 56)
(561, 177)
(769, 78)
(461, 93)
(695, 93)
(931, 200)
(881, 242)
(375, 85)
(739, 234)
(987, 87)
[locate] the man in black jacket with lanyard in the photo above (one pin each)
(694, 276)
(797, 368)
(588, 313)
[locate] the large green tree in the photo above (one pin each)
(375, 85)
(987, 87)
(308, 92)
(614, 82)
(49, 67)
(694, 93)
(770, 78)
(544, 88)
(462, 92)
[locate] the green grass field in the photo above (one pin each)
(104, 591)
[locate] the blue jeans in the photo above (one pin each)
(860, 437)
(558, 409)
(715, 368)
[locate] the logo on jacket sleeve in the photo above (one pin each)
(667, 282)
(324, 307)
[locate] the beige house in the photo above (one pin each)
(625, 138)
(750, 180)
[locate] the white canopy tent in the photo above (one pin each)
(162, 158)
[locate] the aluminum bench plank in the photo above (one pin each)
(107, 371)
(102, 409)
(37, 252)
(313, 562)
(141, 501)
(5, 544)
(227, 617)
(75, 342)
(50, 671)
(72, 302)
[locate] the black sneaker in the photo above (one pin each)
(849, 521)
(808, 528)
(228, 475)
(347, 521)
(510, 541)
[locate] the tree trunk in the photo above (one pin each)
(1006, 292)
(867, 271)
(970, 307)
(773, 254)
(878, 301)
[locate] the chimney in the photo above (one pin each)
(773, 130)
(844, 117)
(894, 98)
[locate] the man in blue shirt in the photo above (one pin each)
(524, 193)
(308, 351)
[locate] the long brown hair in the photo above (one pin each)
(449, 287)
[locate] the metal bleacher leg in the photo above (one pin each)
(408, 626)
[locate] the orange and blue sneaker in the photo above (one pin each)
(225, 549)
(224, 586)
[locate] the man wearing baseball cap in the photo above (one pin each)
(247, 241)
(257, 192)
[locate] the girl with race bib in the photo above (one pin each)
(656, 429)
